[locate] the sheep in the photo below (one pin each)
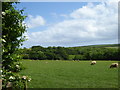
(93, 62)
(114, 65)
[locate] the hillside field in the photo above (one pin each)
(70, 74)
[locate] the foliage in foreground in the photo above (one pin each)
(12, 31)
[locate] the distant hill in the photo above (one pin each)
(91, 52)
(102, 46)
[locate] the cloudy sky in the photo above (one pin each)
(70, 23)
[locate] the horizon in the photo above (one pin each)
(71, 46)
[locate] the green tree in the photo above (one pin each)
(12, 38)
(41, 55)
(50, 56)
(60, 51)
(79, 57)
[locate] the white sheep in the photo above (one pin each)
(93, 62)
(114, 65)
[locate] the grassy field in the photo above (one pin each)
(70, 74)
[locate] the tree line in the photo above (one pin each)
(69, 53)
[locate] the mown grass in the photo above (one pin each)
(70, 74)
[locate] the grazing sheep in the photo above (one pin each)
(93, 62)
(114, 65)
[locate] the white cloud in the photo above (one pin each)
(36, 21)
(91, 24)
(26, 35)
(61, 0)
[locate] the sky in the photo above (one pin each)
(70, 24)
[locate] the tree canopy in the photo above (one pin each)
(70, 53)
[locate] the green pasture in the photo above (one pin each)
(70, 74)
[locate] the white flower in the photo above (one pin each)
(3, 13)
(1, 71)
(9, 66)
(11, 77)
(17, 66)
(10, 71)
(3, 40)
(29, 79)
(3, 50)
(2, 75)
(24, 77)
